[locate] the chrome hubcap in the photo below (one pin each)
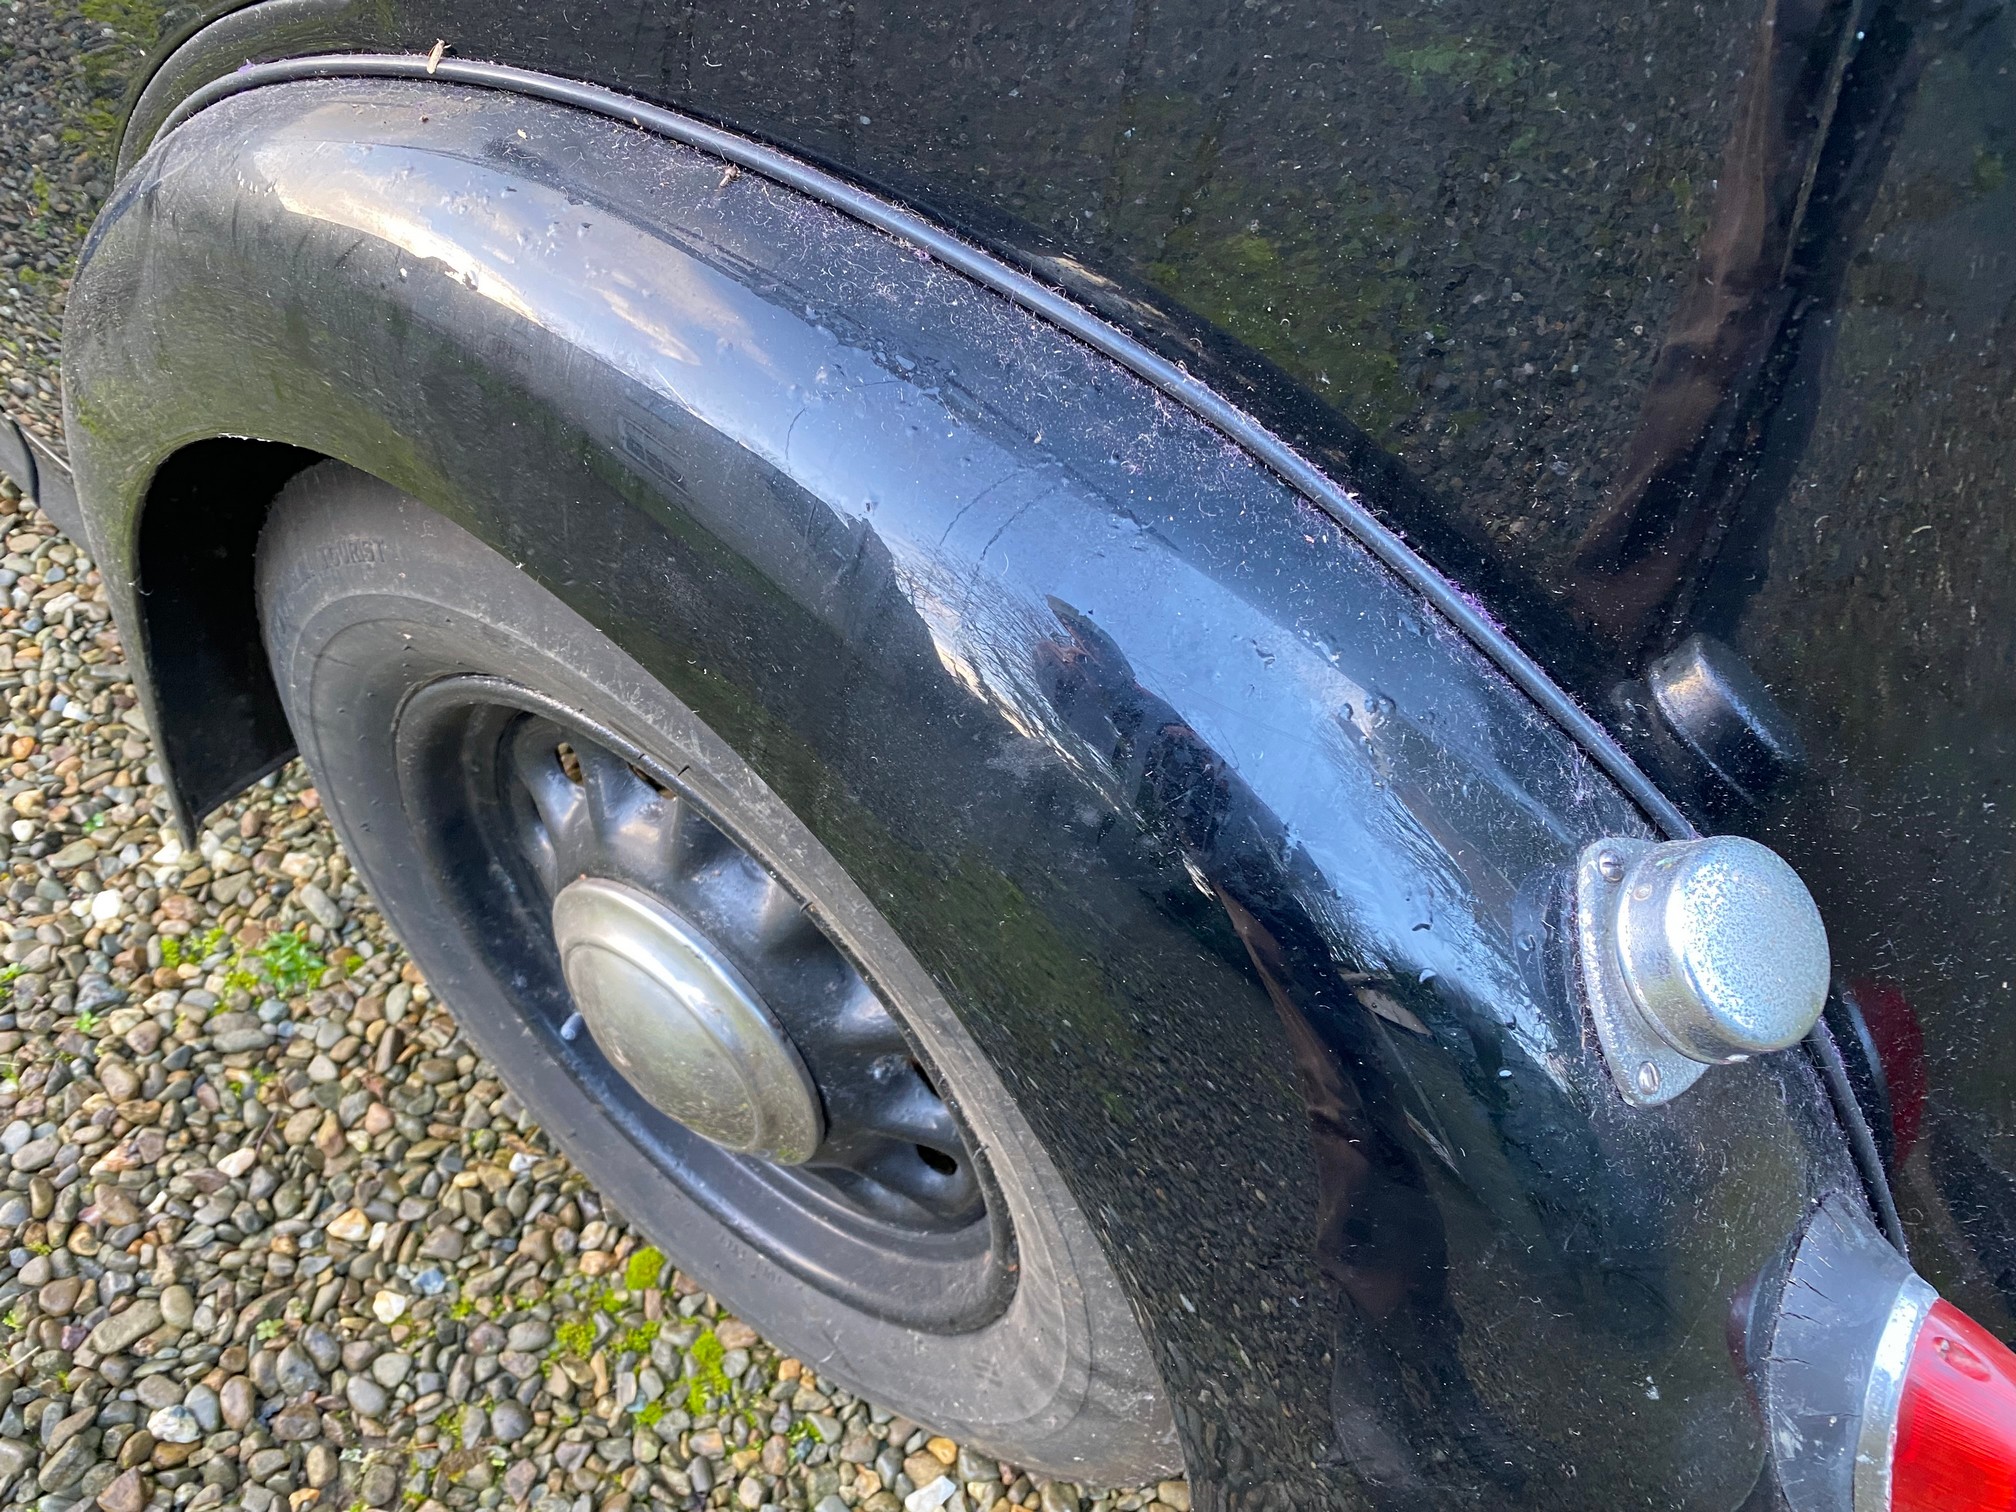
(680, 1024)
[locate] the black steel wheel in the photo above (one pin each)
(515, 800)
(689, 992)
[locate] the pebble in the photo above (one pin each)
(486, 1338)
(236, 1400)
(297, 1424)
(296, 1372)
(239, 1161)
(320, 1465)
(366, 1396)
(519, 1364)
(265, 1369)
(529, 1336)
(63, 1469)
(509, 1422)
(390, 1369)
(178, 1306)
(124, 1329)
(203, 1403)
(380, 1485)
(125, 1492)
(119, 1080)
(159, 1391)
(174, 1425)
(321, 907)
(323, 1347)
(36, 1154)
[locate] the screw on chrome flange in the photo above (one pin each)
(1694, 953)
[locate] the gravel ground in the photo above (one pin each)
(273, 1236)
(60, 74)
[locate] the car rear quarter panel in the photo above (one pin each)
(1242, 865)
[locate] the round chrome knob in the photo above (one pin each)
(680, 1024)
(1720, 946)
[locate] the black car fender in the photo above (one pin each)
(1240, 860)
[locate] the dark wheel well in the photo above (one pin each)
(220, 723)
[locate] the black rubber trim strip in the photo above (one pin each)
(1041, 300)
(1848, 1108)
(986, 269)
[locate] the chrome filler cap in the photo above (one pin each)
(1695, 953)
(680, 1024)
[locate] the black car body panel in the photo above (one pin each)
(1641, 323)
(1244, 866)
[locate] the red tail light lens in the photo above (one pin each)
(1956, 1424)
(1899, 1043)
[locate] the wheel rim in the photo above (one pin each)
(885, 1202)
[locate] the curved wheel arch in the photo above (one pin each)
(176, 95)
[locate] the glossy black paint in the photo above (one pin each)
(1243, 865)
(1640, 321)
(991, 273)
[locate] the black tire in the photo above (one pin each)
(367, 596)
